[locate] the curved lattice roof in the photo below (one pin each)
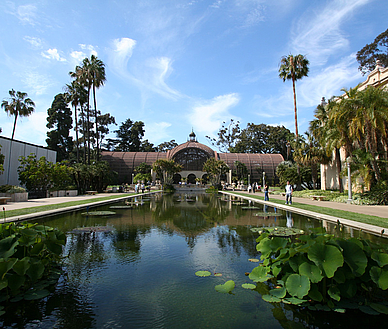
(190, 144)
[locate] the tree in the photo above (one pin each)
(104, 121)
(293, 68)
(377, 50)
(228, 136)
(240, 171)
(264, 139)
(215, 168)
(166, 169)
(146, 146)
(166, 146)
(60, 120)
(18, 104)
(129, 136)
(2, 157)
(76, 95)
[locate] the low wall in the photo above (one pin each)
(16, 197)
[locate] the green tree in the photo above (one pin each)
(129, 136)
(165, 169)
(215, 168)
(18, 104)
(104, 121)
(264, 139)
(294, 68)
(240, 171)
(228, 136)
(60, 120)
(369, 54)
(35, 174)
(146, 146)
(166, 146)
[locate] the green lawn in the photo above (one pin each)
(368, 219)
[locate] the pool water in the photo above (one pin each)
(138, 269)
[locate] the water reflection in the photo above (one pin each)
(139, 271)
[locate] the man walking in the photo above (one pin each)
(288, 193)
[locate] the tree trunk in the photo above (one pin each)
(76, 131)
(95, 118)
(338, 165)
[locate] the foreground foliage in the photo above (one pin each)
(323, 272)
(29, 260)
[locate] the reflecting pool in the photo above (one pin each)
(136, 268)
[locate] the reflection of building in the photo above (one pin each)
(377, 78)
(192, 155)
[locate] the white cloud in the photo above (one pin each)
(34, 42)
(319, 35)
(122, 52)
(157, 132)
(27, 14)
(207, 117)
(53, 54)
(89, 48)
(36, 83)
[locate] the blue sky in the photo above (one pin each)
(182, 65)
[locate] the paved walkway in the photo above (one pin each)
(379, 211)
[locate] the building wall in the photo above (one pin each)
(18, 149)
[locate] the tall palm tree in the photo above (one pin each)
(97, 73)
(293, 68)
(18, 104)
(76, 95)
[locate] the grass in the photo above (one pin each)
(362, 218)
(32, 210)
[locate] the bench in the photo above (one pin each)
(4, 199)
(317, 197)
(91, 192)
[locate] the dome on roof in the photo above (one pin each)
(188, 145)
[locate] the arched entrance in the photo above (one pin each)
(191, 178)
(177, 178)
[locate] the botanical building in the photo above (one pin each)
(192, 155)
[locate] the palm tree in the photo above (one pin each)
(76, 95)
(293, 68)
(18, 104)
(97, 72)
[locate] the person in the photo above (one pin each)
(288, 193)
(266, 193)
(254, 187)
(249, 188)
(142, 187)
(290, 221)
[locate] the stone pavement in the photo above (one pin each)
(379, 211)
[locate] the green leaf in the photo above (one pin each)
(278, 292)
(32, 295)
(202, 273)
(15, 281)
(298, 285)
(380, 257)
(225, 288)
(35, 271)
(6, 265)
(315, 294)
(271, 299)
(379, 276)
(311, 271)
(334, 293)
(293, 301)
(7, 246)
(379, 308)
(248, 286)
(22, 265)
(328, 258)
(260, 274)
(354, 256)
(269, 245)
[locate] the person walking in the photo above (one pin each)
(266, 193)
(288, 193)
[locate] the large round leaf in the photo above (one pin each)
(379, 276)
(225, 288)
(354, 256)
(311, 271)
(22, 265)
(260, 274)
(328, 258)
(278, 292)
(202, 273)
(380, 257)
(298, 285)
(7, 246)
(32, 295)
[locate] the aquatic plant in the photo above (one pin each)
(29, 260)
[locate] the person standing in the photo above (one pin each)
(266, 192)
(288, 193)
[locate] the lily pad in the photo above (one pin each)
(260, 274)
(202, 273)
(248, 286)
(91, 229)
(33, 295)
(254, 260)
(225, 288)
(298, 285)
(99, 213)
(328, 258)
(271, 299)
(267, 214)
(249, 208)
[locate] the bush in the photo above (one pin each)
(16, 189)
(378, 194)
